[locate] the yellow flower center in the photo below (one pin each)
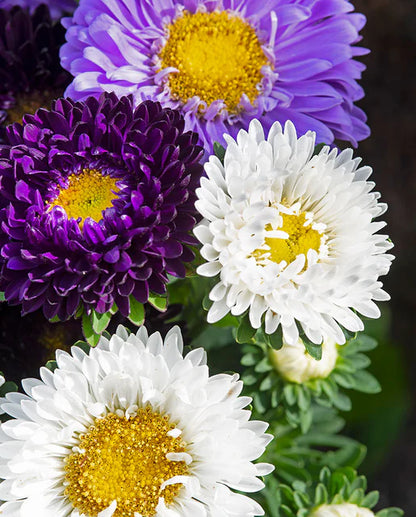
(125, 460)
(301, 238)
(219, 56)
(88, 194)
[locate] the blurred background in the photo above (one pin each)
(386, 423)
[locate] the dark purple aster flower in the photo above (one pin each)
(225, 62)
(134, 171)
(56, 7)
(30, 71)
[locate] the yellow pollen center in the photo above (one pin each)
(88, 194)
(302, 238)
(219, 56)
(124, 460)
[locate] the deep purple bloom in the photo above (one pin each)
(30, 71)
(307, 72)
(51, 261)
(56, 7)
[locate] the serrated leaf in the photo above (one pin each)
(136, 315)
(100, 321)
(89, 334)
(159, 302)
(219, 151)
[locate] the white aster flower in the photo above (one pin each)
(291, 235)
(295, 364)
(341, 510)
(131, 429)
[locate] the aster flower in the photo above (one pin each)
(224, 62)
(131, 428)
(56, 7)
(30, 71)
(291, 235)
(96, 204)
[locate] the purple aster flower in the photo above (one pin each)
(56, 7)
(30, 71)
(97, 201)
(225, 62)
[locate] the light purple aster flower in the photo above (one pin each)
(56, 7)
(134, 170)
(225, 62)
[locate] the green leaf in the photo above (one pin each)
(318, 149)
(51, 365)
(89, 334)
(136, 315)
(2, 297)
(370, 499)
(365, 382)
(7, 387)
(390, 512)
(305, 420)
(245, 331)
(313, 350)
(321, 494)
(290, 394)
(159, 302)
(219, 151)
(100, 321)
(275, 340)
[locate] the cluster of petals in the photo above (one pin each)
(47, 259)
(123, 374)
(311, 76)
(318, 293)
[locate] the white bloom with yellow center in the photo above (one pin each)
(291, 235)
(341, 510)
(295, 364)
(132, 429)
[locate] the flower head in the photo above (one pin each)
(295, 364)
(30, 72)
(224, 62)
(132, 428)
(291, 235)
(96, 204)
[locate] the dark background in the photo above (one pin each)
(387, 422)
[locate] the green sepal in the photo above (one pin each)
(2, 297)
(136, 315)
(390, 512)
(318, 149)
(83, 346)
(219, 151)
(158, 302)
(274, 340)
